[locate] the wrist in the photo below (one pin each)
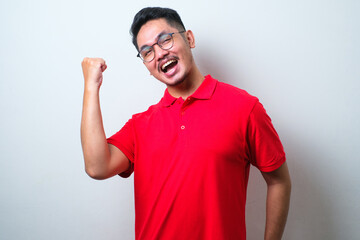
(91, 89)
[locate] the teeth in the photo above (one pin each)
(167, 64)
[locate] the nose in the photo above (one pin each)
(159, 52)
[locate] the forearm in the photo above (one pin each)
(277, 207)
(93, 139)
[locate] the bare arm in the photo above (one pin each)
(102, 160)
(278, 201)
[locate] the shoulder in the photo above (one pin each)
(153, 109)
(234, 91)
(235, 96)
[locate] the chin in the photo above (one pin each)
(174, 81)
(171, 81)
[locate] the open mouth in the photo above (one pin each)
(168, 65)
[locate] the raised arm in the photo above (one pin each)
(102, 160)
(278, 201)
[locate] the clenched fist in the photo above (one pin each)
(92, 70)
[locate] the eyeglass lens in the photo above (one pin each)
(165, 42)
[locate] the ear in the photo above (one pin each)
(190, 38)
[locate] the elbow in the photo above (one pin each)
(95, 174)
(95, 167)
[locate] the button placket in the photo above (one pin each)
(182, 112)
(185, 104)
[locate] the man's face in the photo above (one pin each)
(178, 59)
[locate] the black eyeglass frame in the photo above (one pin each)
(157, 43)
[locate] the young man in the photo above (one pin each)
(191, 152)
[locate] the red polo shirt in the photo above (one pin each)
(191, 162)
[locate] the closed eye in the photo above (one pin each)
(146, 52)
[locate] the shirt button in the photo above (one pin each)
(182, 127)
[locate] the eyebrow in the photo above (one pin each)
(157, 38)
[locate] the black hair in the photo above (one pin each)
(152, 13)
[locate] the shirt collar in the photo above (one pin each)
(205, 91)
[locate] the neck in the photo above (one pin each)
(187, 87)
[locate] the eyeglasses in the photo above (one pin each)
(165, 42)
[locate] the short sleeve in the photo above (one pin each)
(125, 141)
(265, 148)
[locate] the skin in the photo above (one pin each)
(186, 77)
(104, 160)
(277, 201)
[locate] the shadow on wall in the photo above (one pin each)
(217, 65)
(311, 213)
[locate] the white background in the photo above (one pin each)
(301, 58)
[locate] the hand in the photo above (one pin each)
(92, 70)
